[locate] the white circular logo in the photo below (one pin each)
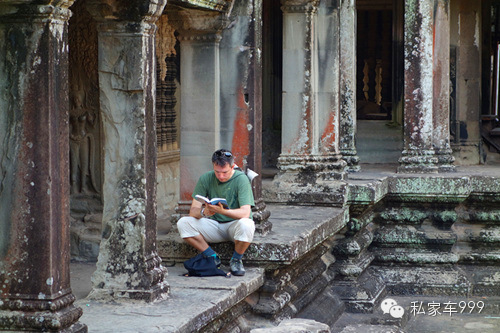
(390, 306)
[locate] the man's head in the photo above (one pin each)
(223, 162)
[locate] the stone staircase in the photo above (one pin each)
(490, 132)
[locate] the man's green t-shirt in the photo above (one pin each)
(237, 191)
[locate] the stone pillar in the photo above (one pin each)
(348, 32)
(310, 134)
(241, 97)
(441, 85)
(199, 36)
(128, 265)
(35, 292)
(467, 37)
(422, 119)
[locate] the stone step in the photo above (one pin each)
(449, 305)
(495, 131)
(429, 280)
(296, 230)
(192, 304)
(414, 236)
(472, 313)
(295, 325)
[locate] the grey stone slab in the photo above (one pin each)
(356, 328)
(192, 303)
(296, 230)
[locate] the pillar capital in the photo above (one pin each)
(19, 11)
(197, 25)
(114, 13)
(299, 6)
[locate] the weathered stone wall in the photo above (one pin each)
(168, 193)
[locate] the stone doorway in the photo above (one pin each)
(379, 131)
(272, 50)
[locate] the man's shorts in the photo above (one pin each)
(215, 232)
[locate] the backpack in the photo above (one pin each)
(201, 265)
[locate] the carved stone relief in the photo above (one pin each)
(84, 121)
(85, 135)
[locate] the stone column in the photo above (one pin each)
(348, 32)
(309, 153)
(467, 37)
(441, 85)
(128, 265)
(254, 89)
(35, 292)
(241, 97)
(199, 37)
(423, 133)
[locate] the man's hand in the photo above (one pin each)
(236, 214)
(214, 209)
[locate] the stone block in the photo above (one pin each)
(295, 325)
(360, 295)
(290, 288)
(327, 308)
(425, 280)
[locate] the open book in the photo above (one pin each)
(214, 201)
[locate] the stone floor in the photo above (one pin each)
(191, 300)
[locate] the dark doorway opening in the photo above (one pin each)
(379, 81)
(272, 61)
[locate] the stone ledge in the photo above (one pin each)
(296, 231)
(192, 303)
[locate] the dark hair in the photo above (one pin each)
(222, 157)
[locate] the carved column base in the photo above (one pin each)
(55, 315)
(352, 159)
(261, 217)
(309, 180)
(183, 207)
(137, 276)
(157, 292)
(422, 161)
(312, 168)
(445, 160)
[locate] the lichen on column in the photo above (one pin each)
(128, 264)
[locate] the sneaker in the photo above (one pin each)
(216, 260)
(237, 267)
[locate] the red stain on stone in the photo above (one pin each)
(188, 182)
(328, 136)
(241, 137)
(302, 143)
